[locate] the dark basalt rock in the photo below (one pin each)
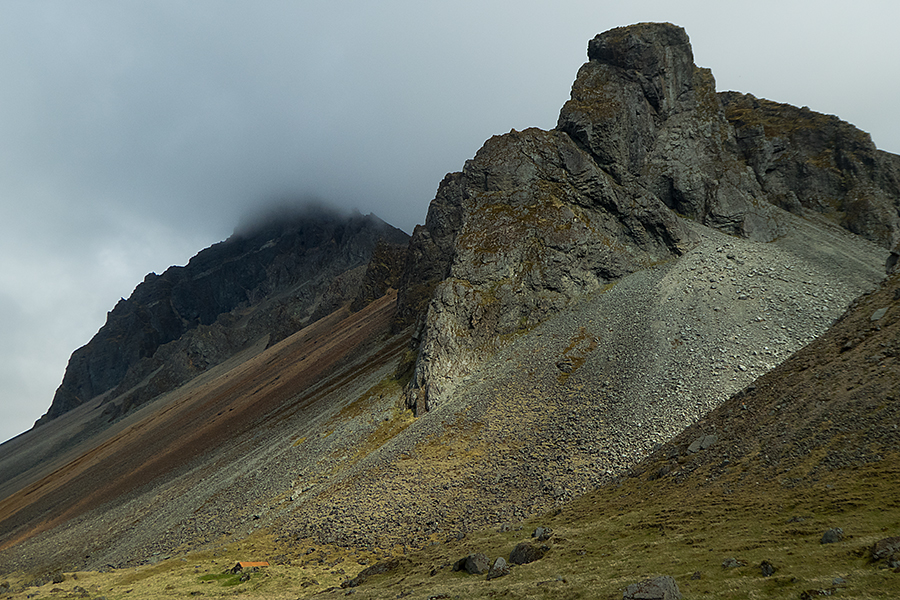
(292, 267)
(539, 219)
(808, 160)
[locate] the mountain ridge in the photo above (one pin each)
(574, 299)
(280, 256)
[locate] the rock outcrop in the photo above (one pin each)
(540, 218)
(266, 282)
(807, 160)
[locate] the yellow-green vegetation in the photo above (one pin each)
(400, 417)
(601, 543)
(615, 536)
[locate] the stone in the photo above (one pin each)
(832, 536)
(702, 443)
(542, 534)
(658, 588)
(878, 314)
(476, 564)
(732, 563)
(526, 552)
(377, 569)
(498, 569)
(885, 548)
(473, 564)
(767, 568)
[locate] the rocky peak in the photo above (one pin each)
(538, 219)
(268, 279)
(806, 160)
(656, 55)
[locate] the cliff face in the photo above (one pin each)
(806, 160)
(268, 281)
(538, 219)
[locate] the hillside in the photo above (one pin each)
(580, 306)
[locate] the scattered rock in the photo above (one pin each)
(658, 588)
(832, 536)
(810, 594)
(473, 564)
(542, 534)
(702, 443)
(732, 563)
(767, 568)
(878, 314)
(525, 553)
(377, 569)
(887, 549)
(498, 569)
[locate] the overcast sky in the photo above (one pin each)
(134, 134)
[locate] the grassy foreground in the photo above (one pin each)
(601, 543)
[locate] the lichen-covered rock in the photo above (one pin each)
(804, 159)
(651, 117)
(530, 224)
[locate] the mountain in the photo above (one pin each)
(576, 301)
(269, 280)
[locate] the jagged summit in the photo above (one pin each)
(575, 298)
(268, 279)
(539, 219)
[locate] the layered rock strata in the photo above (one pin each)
(268, 281)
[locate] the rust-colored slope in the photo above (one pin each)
(197, 420)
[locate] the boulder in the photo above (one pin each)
(832, 536)
(526, 552)
(658, 588)
(886, 549)
(498, 569)
(377, 569)
(473, 564)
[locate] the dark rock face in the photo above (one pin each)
(531, 224)
(807, 160)
(267, 281)
(651, 118)
(538, 219)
